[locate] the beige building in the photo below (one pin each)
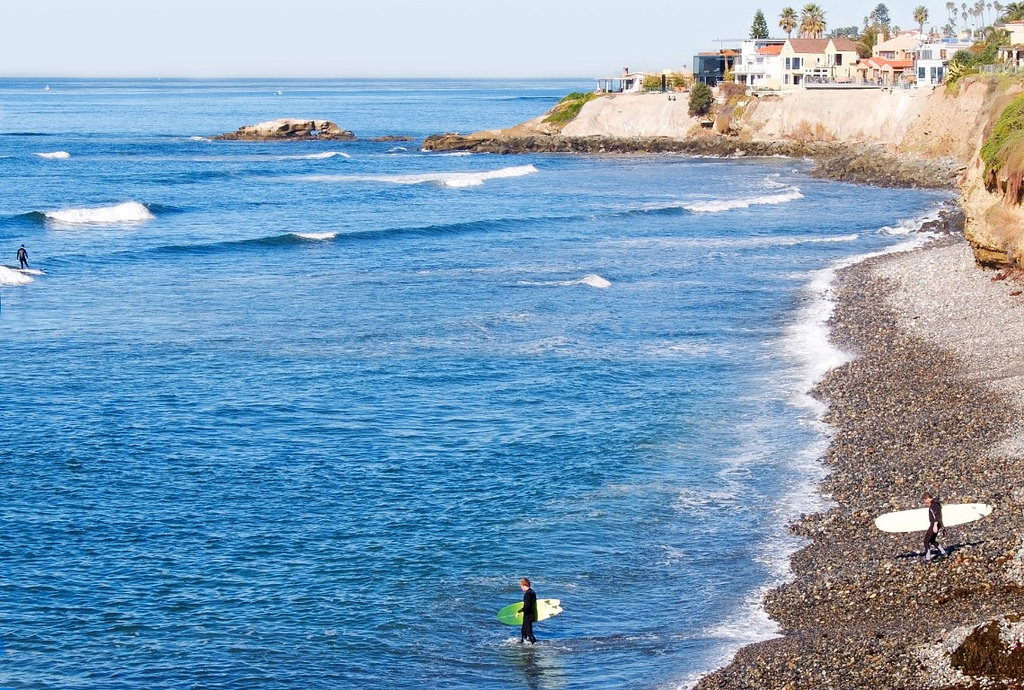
(900, 47)
(818, 60)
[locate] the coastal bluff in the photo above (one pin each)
(289, 129)
(906, 137)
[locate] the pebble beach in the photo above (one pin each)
(931, 401)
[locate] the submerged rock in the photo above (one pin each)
(290, 129)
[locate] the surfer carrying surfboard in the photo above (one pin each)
(22, 256)
(529, 611)
(931, 536)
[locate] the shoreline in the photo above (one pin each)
(861, 163)
(930, 402)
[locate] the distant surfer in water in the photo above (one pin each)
(529, 611)
(22, 256)
(931, 537)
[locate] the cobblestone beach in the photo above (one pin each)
(933, 402)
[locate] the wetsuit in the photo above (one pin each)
(529, 615)
(22, 257)
(934, 520)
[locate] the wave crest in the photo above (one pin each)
(127, 212)
(54, 154)
(719, 205)
(444, 179)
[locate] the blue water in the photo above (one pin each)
(283, 415)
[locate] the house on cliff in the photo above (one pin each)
(1013, 53)
(884, 72)
(931, 58)
(760, 64)
(807, 60)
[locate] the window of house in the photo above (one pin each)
(921, 73)
(839, 59)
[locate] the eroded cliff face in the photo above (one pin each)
(994, 227)
(932, 125)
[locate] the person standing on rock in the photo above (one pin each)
(931, 537)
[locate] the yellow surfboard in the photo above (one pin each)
(513, 613)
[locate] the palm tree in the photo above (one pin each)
(787, 21)
(920, 16)
(951, 12)
(812, 21)
(1013, 12)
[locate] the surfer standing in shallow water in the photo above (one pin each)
(529, 611)
(931, 537)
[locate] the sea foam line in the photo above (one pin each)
(445, 179)
(719, 205)
(54, 154)
(127, 212)
(807, 344)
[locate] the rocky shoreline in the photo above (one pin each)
(867, 163)
(931, 402)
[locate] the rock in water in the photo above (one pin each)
(290, 128)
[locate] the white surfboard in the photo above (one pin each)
(916, 520)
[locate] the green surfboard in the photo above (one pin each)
(513, 613)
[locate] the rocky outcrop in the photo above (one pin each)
(868, 164)
(290, 129)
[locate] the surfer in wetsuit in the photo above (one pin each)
(931, 537)
(529, 611)
(22, 256)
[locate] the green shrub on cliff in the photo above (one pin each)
(701, 99)
(1003, 152)
(569, 107)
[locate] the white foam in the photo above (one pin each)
(398, 149)
(320, 156)
(127, 212)
(317, 236)
(591, 279)
(55, 154)
(719, 205)
(594, 281)
(446, 179)
(12, 276)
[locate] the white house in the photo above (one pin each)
(760, 64)
(931, 58)
(627, 82)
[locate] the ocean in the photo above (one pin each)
(301, 414)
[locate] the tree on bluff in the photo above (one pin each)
(759, 29)
(701, 99)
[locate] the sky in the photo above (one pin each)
(387, 38)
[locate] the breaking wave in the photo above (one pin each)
(591, 280)
(127, 212)
(54, 154)
(444, 179)
(719, 205)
